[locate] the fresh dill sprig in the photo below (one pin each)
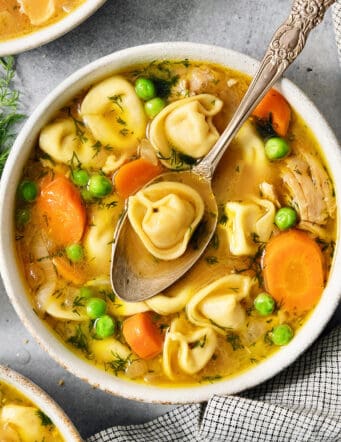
(9, 104)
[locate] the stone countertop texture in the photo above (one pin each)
(245, 26)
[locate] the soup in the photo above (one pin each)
(21, 17)
(21, 420)
(264, 269)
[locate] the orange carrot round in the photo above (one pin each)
(274, 107)
(293, 270)
(134, 175)
(142, 335)
(61, 210)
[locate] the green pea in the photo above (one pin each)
(276, 148)
(105, 326)
(80, 177)
(281, 334)
(74, 252)
(86, 292)
(99, 186)
(264, 304)
(145, 89)
(22, 217)
(285, 218)
(154, 106)
(95, 307)
(28, 190)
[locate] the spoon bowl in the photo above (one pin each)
(137, 275)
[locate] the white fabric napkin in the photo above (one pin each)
(337, 25)
(303, 403)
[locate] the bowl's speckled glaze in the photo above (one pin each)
(8, 264)
(42, 401)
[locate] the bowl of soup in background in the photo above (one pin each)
(17, 393)
(16, 288)
(32, 36)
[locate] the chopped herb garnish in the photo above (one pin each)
(211, 260)
(215, 241)
(178, 160)
(97, 148)
(119, 364)
(117, 99)
(234, 340)
(199, 343)
(222, 217)
(120, 121)
(211, 378)
(45, 420)
(79, 340)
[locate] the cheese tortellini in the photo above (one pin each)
(114, 114)
(24, 423)
(185, 126)
(60, 141)
(218, 304)
(99, 235)
(187, 350)
(249, 223)
(251, 149)
(164, 215)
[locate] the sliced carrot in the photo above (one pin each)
(293, 270)
(275, 108)
(61, 210)
(142, 335)
(68, 271)
(134, 175)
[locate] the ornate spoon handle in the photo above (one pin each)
(286, 44)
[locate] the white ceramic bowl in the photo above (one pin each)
(8, 262)
(43, 401)
(51, 32)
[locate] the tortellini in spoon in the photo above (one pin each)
(185, 126)
(114, 113)
(164, 215)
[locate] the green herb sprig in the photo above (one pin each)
(9, 104)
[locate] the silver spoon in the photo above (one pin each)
(135, 274)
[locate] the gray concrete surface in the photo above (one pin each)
(242, 25)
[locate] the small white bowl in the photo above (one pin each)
(43, 401)
(11, 274)
(50, 32)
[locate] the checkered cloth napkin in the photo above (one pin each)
(303, 403)
(337, 25)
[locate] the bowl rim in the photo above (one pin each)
(42, 400)
(15, 287)
(50, 32)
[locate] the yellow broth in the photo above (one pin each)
(236, 179)
(22, 420)
(14, 23)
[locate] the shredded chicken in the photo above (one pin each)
(198, 79)
(268, 192)
(311, 191)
